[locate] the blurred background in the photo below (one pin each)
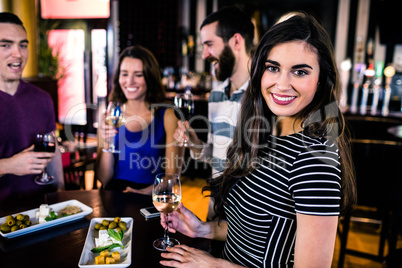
(74, 44)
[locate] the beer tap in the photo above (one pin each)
(346, 65)
(369, 73)
(389, 72)
(359, 74)
(377, 87)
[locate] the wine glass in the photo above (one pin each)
(184, 104)
(114, 117)
(44, 143)
(166, 196)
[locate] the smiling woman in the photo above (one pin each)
(146, 140)
(290, 80)
(281, 208)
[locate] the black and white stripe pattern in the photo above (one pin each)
(297, 174)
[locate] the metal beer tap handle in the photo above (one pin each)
(389, 72)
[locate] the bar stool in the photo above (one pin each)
(74, 176)
(378, 166)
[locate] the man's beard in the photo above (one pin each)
(226, 64)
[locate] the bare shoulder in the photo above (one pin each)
(170, 118)
(169, 115)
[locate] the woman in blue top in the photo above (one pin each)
(146, 140)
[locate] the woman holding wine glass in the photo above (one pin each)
(166, 196)
(288, 180)
(145, 140)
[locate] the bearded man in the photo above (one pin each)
(227, 38)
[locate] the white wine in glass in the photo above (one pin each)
(114, 117)
(166, 196)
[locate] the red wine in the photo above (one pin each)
(44, 146)
(184, 113)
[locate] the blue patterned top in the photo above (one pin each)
(142, 153)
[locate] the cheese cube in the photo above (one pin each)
(99, 260)
(110, 260)
(44, 211)
(104, 253)
(116, 255)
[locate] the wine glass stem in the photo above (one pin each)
(44, 176)
(166, 236)
(185, 140)
(112, 145)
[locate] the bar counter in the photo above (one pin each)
(61, 246)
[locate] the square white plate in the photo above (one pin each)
(85, 210)
(87, 259)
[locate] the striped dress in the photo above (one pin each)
(222, 115)
(296, 174)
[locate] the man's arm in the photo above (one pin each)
(25, 162)
(198, 149)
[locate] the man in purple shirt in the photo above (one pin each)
(25, 111)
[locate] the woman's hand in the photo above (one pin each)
(146, 190)
(184, 256)
(107, 132)
(184, 221)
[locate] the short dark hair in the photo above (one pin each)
(7, 17)
(232, 20)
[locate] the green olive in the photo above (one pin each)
(112, 225)
(18, 222)
(105, 223)
(22, 226)
(10, 222)
(28, 223)
(122, 226)
(20, 217)
(5, 228)
(26, 218)
(117, 219)
(103, 227)
(9, 217)
(14, 228)
(97, 226)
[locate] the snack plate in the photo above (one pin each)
(87, 259)
(85, 210)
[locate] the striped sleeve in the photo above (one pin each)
(315, 181)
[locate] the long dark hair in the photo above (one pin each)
(152, 75)
(321, 118)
